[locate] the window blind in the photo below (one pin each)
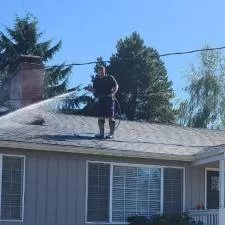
(173, 190)
(135, 191)
(98, 192)
(12, 188)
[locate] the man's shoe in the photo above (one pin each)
(100, 136)
(110, 136)
(112, 124)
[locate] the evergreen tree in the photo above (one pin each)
(24, 38)
(145, 93)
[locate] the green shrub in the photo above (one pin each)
(173, 219)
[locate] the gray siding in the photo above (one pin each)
(55, 186)
(197, 184)
(55, 190)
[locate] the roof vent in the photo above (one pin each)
(37, 120)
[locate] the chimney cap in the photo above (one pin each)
(29, 59)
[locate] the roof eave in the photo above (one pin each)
(93, 151)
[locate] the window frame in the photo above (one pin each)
(23, 193)
(111, 164)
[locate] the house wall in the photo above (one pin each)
(196, 186)
(55, 186)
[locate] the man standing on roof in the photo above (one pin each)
(104, 88)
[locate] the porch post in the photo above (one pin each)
(221, 192)
(221, 182)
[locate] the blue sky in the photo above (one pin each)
(90, 29)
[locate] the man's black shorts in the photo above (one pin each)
(106, 107)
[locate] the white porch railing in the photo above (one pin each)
(208, 216)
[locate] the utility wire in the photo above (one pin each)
(124, 59)
(192, 51)
(154, 56)
(130, 59)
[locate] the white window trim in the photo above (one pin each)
(110, 192)
(184, 189)
(130, 165)
(0, 184)
(161, 190)
(206, 170)
(24, 158)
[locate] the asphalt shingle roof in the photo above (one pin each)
(138, 138)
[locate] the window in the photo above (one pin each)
(11, 187)
(136, 191)
(173, 190)
(117, 191)
(214, 183)
(98, 192)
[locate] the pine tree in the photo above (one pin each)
(145, 93)
(24, 38)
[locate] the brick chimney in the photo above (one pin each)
(27, 82)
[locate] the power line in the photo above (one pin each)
(192, 51)
(125, 59)
(132, 59)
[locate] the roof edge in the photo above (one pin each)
(93, 151)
